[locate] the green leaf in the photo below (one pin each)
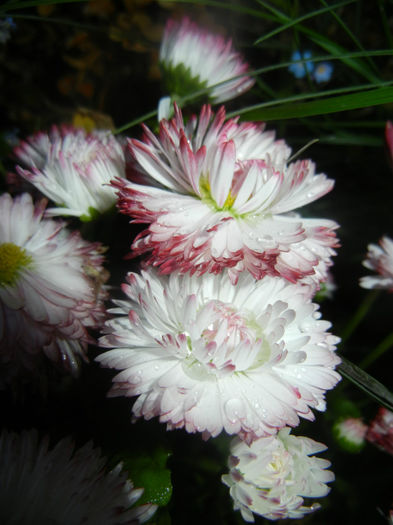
(373, 97)
(149, 471)
(367, 383)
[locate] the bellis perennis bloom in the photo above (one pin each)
(63, 485)
(379, 259)
(220, 199)
(208, 356)
(192, 59)
(50, 287)
(272, 476)
(73, 168)
(380, 431)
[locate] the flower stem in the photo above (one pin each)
(383, 346)
(359, 315)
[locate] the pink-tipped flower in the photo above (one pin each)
(350, 432)
(50, 287)
(192, 59)
(207, 356)
(42, 484)
(221, 198)
(272, 476)
(380, 431)
(73, 168)
(380, 260)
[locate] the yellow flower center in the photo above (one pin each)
(204, 188)
(12, 260)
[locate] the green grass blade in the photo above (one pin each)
(307, 16)
(367, 383)
(371, 97)
(351, 35)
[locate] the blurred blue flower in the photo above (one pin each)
(299, 70)
(323, 72)
(5, 29)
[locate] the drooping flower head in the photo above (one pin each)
(192, 59)
(207, 356)
(271, 477)
(380, 431)
(380, 260)
(73, 168)
(50, 287)
(221, 198)
(63, 485)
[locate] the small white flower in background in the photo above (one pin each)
(208, 356)
(222, 197)
(193, 59)
(380, 260)
(63, 485)
(272, 476)
(350, 432)
(51, 287)
(73, 168)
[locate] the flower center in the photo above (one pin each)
(224, 341)
(206, 196)
(12, 260)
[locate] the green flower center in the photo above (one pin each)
(206, 196)
(12, 260)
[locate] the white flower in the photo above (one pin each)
(221, 198)
(380, 260)
(350, 433)
(62, 485)
(73, 168)
(208, 356)
(272, 476)
(193, 59)
(50, 287)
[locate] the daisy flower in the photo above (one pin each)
(379, 259)
(208, 356)
(380, 431)
(51, 289)
(222, 197)
(272, 476)
(193, 59)
(73, 168)
(63, 485)
(350, 432)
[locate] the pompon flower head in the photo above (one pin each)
(208, 356)
(51, 289)
(221, 198)
(379, 259)
(73, 168)
(63, 485)
(272, 476)
(192, 59)
(380, 431)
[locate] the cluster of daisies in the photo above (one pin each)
(216, 333)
